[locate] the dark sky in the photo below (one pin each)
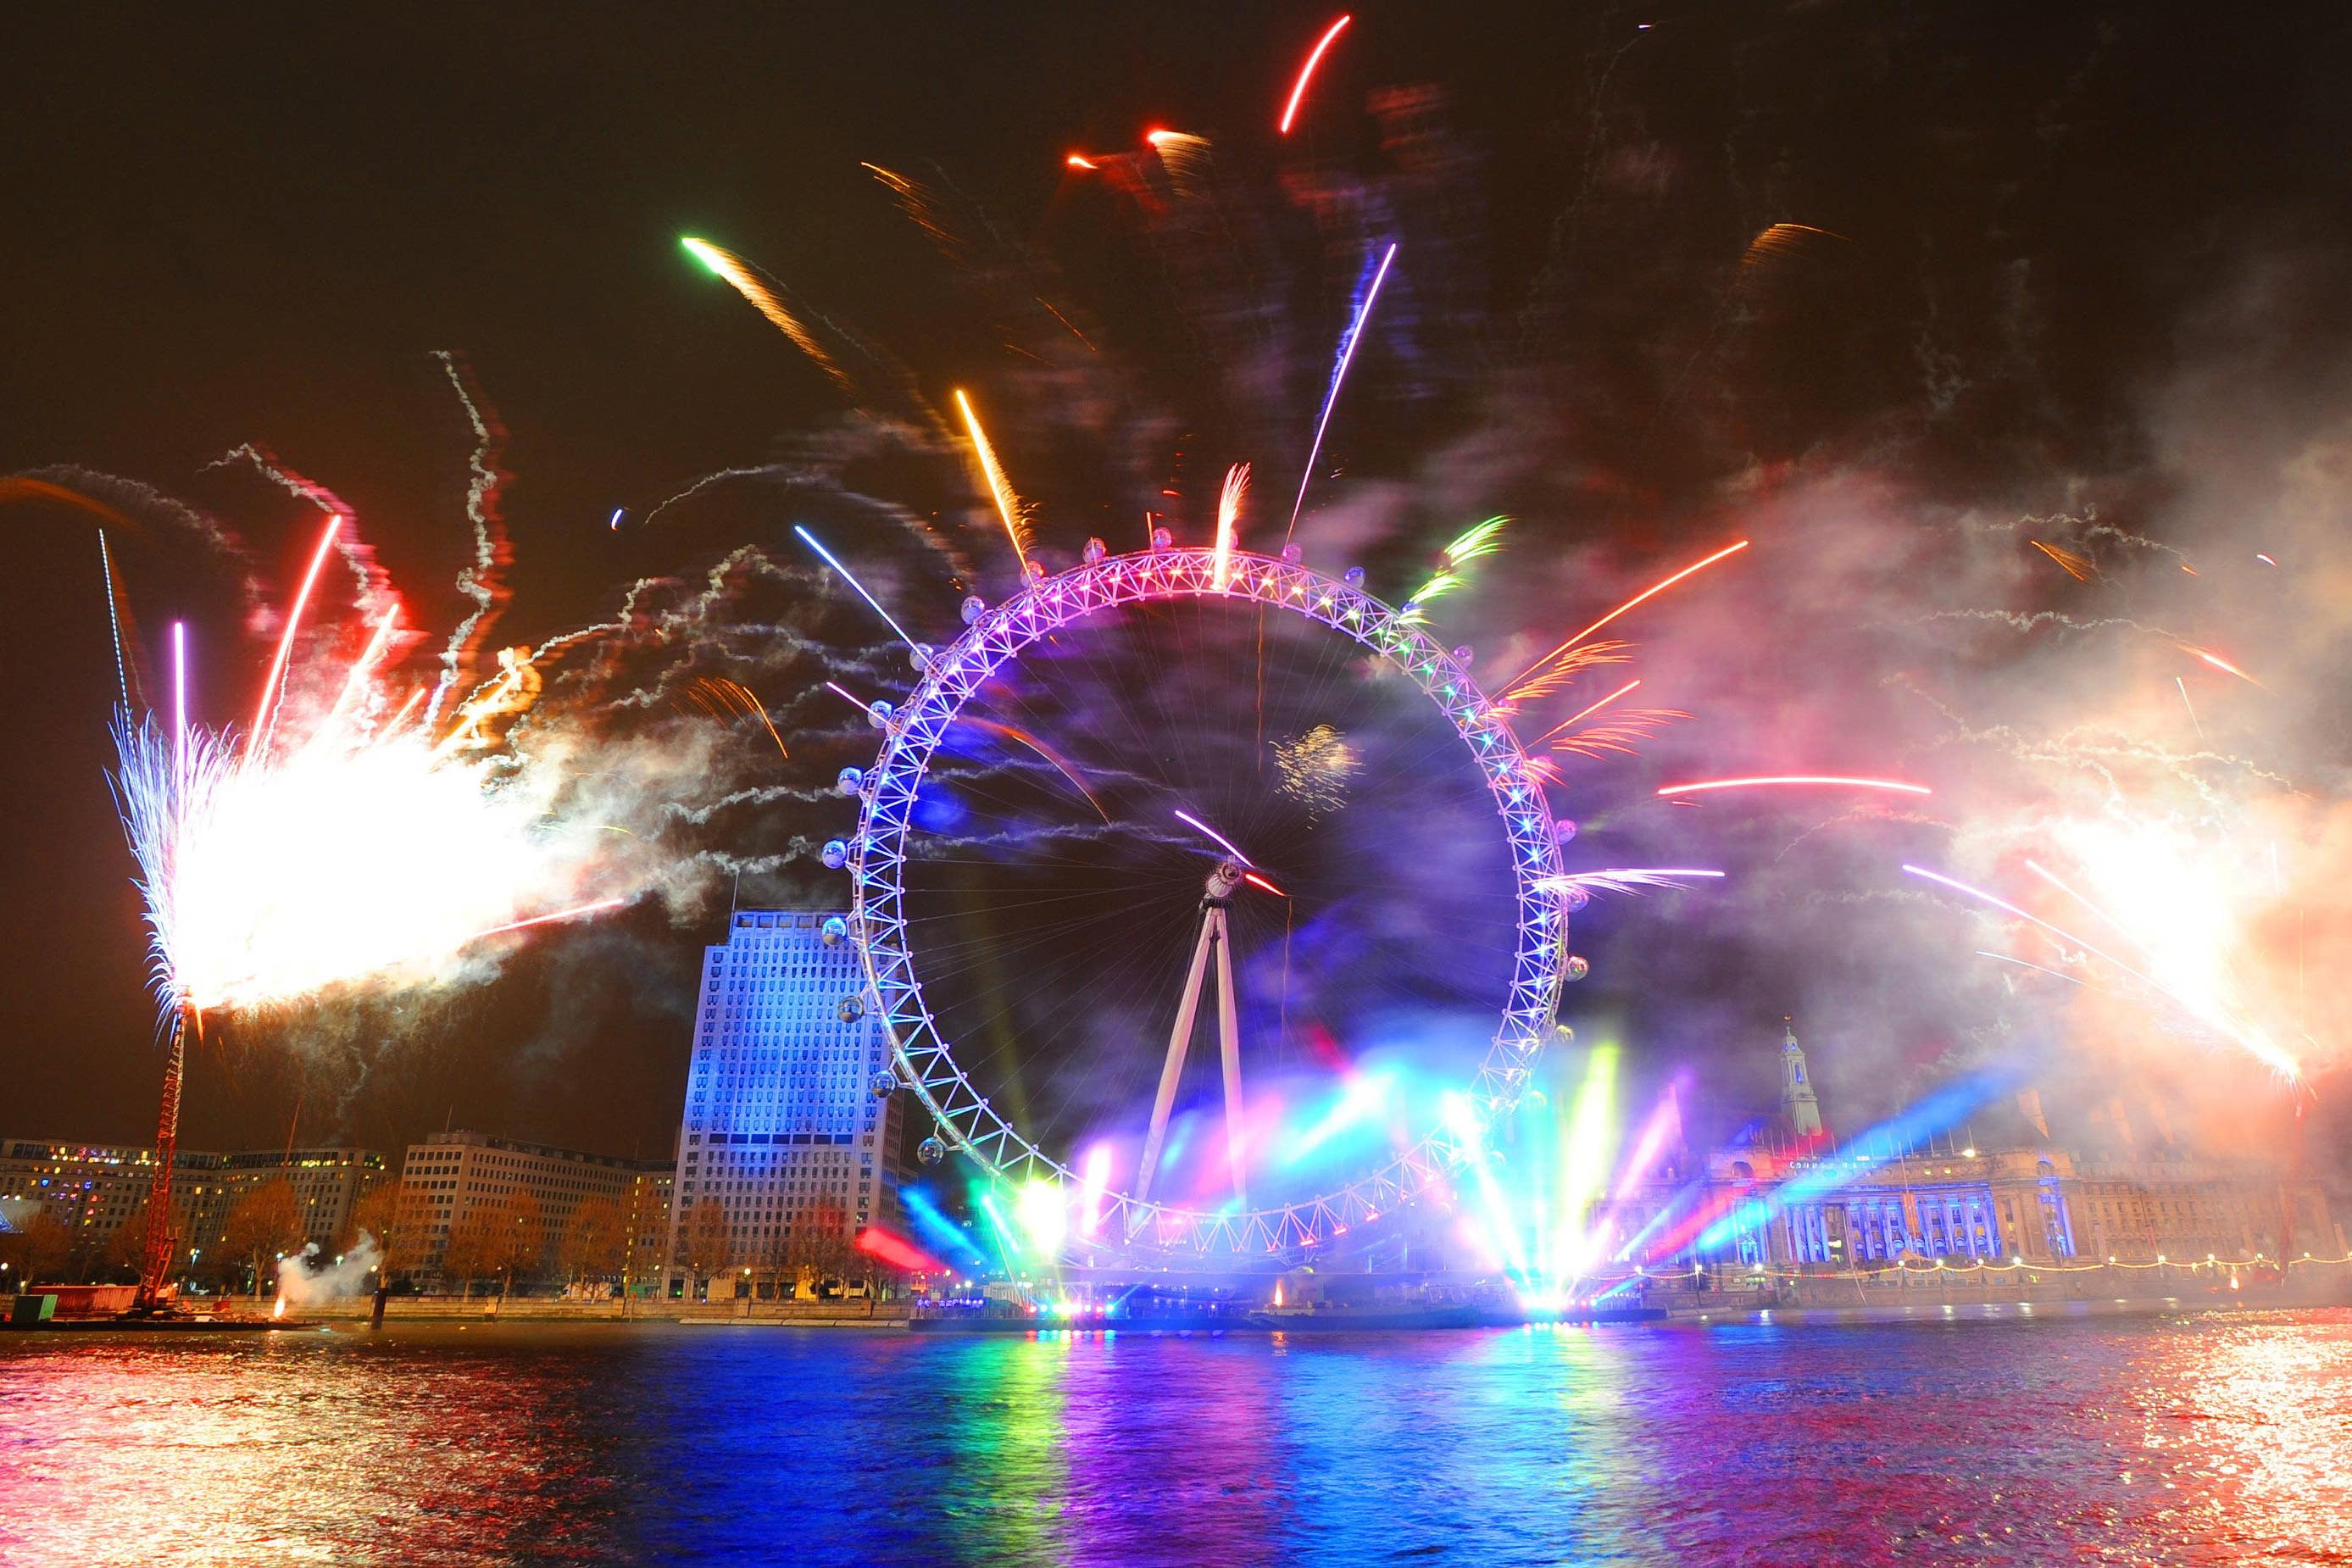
(249, 228)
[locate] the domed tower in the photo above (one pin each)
(1798, 1107)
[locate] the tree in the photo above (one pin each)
(518, 1231)
(36, 1251)
(377, 1216)
(709, 1241)
(126, 1250)
(821, 1243)
(265, 1223)
(593, 1241)
(472, 1249)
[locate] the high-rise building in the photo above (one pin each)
(453, 1175)
(787, 1151)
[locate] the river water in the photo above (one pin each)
(2007, 1439)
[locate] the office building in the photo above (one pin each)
(786, 1152)
(451, 1177)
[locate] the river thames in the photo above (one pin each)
(2008, 1438)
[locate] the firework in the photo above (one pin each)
(851, 578)
(1624, 878)
(1008, 505)
(1338, 374)
(1482, 540)
(2217, 661)
(2073, 566)
(1526, 683)
(1782, 239)
(1229, 512)
(745, 280)
(724, 698)
(1226, 844)
(1316, 768)
(1307, 73)
(2196, 991)
(1830, 781)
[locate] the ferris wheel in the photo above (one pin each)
(1193, 731)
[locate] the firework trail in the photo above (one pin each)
(2073, 566)
(1622, 878)
(851, 578)
(1830, 781)
(1307, 73)
(1000, 489)
(1339, 376)
(2205, 1010)
(1484, 539)
(480, 581)
(745, 280)
(1229, 512)
(1540, 676)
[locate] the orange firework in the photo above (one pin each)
(1229, 514)
(1008, 505)
(746, 281)
(2218, 662)
(724, 698)
(1559, 666)
(1529, 683)
(2073, 566)
(1783, 239)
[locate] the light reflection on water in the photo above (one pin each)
(2124, 1439)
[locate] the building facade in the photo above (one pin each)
(786, 1150)
(94, 1189)
(2125, 1191)
(452, 1178)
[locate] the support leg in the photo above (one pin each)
(1178, 1041)
(1229, 1044)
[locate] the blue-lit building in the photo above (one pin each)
(785, 1150)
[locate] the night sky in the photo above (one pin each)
(2050, 232)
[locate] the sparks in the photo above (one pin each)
(849, 577)
(745, 281)
(1230, 847)
(1585, 712)
(1624, 878)
(1522, 679)
(2218, 662)
(574, 913)
(1008, 505)
(1484, 539)
(259, 734)
(2210, 1014)
(1306, 72)
(1338, 374)
(1831, 780)
(1229, 511)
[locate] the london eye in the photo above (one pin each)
(1175, 792)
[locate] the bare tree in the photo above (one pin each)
(471, 1253)
(595, 1241)
(377, 1216)
(520, 1229)
(263, 1224)
(709, 1245)
(36, 1253)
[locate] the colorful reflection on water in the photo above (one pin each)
(2189, 1438)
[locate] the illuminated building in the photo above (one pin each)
(451, 1175)
(93, 1189)
(646, 1237)
(2120, 1188)
(784, 1131)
